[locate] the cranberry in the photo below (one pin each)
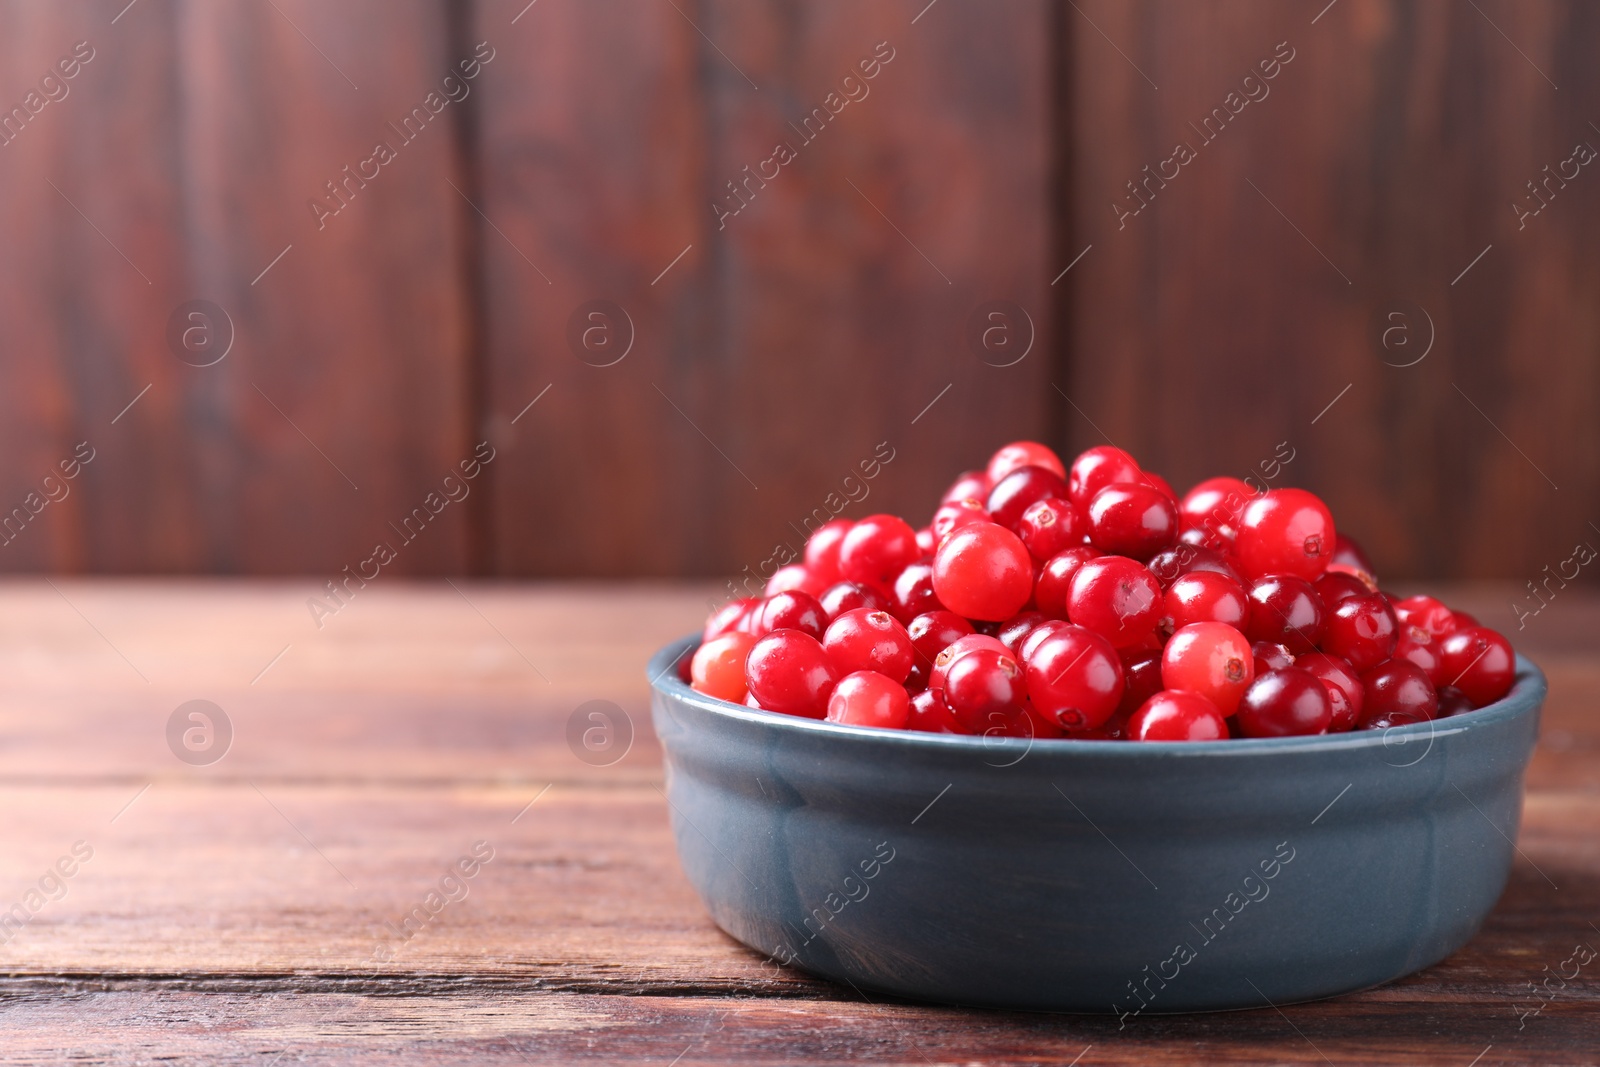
(847, 596)
(1334, 587)
(1204, 596)
(717, 668)
(1285, 531)
(1426, 613)
(877, 549)
(1113, 729)
(1211, 659)
(1050, 589)
(913, 593)
(955, 650)
(1287, 702)
(983, 571)
(1269, 656)
(1074, 677)
(1170, 564)
(1016, 629)
(1175, 715)
(981, 684)
(1286, 610)
(931, 714)
(934, 631)
(1479, 662)
(822, 550)
(1363, 630)
(1396, 693)
(1215, 502)
(1132, 519)
(1452, 701)
(1155, 481)
(1463, 620)
(789, 672)
(1097, 468)
(926, 541)
(954, 514)
(1117, 597)
(1217, 539)
(1345, 690)
(867, 640)
(728, 617)
(1051, 526)
(969, 485)
(1349, 554)
(866, 698)
(1036, 637)
(1023, 454)
(792, 611)
(1141, 678)
(1024, 486)
(1418, 646)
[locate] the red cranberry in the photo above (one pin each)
(1464, 620)
(969, 485)
(789, 672)
(1132, 519)
(795, 578)
(1426, 613)
(1074, 677)
(931, 714)
(934, 631)
(866, 640)
(1012, 495)
(822, 550)
(1097, 468)
(1345, 690)
(728, 617)
(1218, 539)
(1051, 526)
(1334, 587)
(926, 541)
(1211, 659)
(717, 668)
(1286, 610)
(848, 596)
(982, 684)
(877, 549)
(1115, 596)
(1363, 630)
(866, 698)
(1397, 692)
(1349, 554)
(1016, 629)
(1287, 702)
(1285, 531)
(961, 646)
(792, 611)
(1036, 637)
(1215, 502)
(1141, 677)
(1023, 454)
(913, 593)
(1452, 701)
(1170, 564)
(1479, 662)
(1270, 656)
(1418, 646)
(1176, 715)
(983, 571)
(1050, 589)
(1204, 596)
(1155, 481)
(955, 514)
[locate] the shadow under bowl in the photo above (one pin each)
(1094, 876)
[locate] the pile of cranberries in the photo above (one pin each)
(1093, 602)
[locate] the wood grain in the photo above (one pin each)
(1256, 287)
(230, 913)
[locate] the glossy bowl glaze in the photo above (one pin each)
(1092, 876)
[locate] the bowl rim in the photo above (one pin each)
(1528, 690)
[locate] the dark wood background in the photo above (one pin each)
(772, 355)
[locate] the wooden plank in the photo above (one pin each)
(1226, 316)
(194, 142)
(791, 339)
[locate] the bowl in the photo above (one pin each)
(1094, 876)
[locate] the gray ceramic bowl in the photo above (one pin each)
(1095, 876)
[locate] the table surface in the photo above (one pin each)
(244, 911)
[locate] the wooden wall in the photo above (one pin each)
(769, 352)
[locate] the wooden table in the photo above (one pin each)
(239, 912)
